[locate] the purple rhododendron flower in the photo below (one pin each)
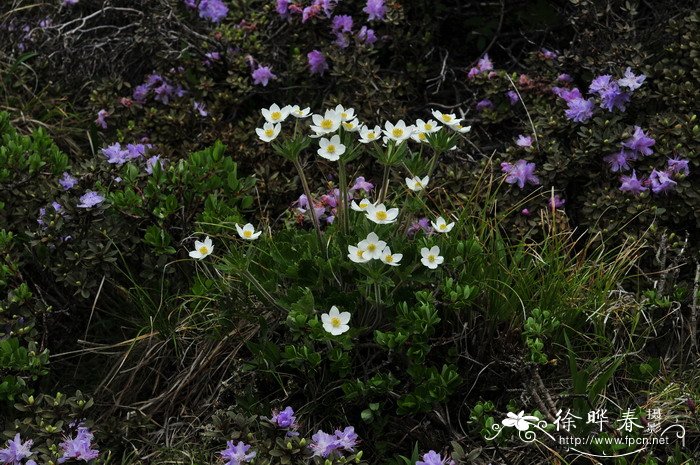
(630, 80)
(567, 94)
(613, 97)
(432, 458)
(361, 184)
(285, 418)
(375, 10)
(151, 162)
(163, 93)
(282, 8)
(347, 438)
(79, 448)
(341, 23)
(619, 161)
(115, 154)
(100, 121)
(141, 92)
(135, 150)
(556, 202)
(200, 108)
(211, 57)
(324, 444)
(678, 166)
(16, 451)
(548, 54)
(600, 83)
(483, 65)
(237, 454)
(640, 142)
(632, 184)
(212, 10)
(67, 181)
(579, 110)
(564, 78)
(512, 96)
(422, 224)
(523, 141)
(484, 104)
(90, 199)
(342, 40)
(525, 212)
(521, 173)
(661, 181)
(317, 62)
(262, 75)
(367, 35)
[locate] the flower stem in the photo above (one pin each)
(312, 210)
(344, 216)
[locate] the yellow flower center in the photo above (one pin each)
(381, 215)
(372, 247)
(360, 253)
(326, 124)
(371, 135)
(443, 226)
(344, 115)
(419, 184)
(269, 132)
(348, 125)
(364, 204)
(397, 132)
(335, 321)
(388, 258)
(330, 148)
(421, 136)
(276, 115)
(428, 126)
(431, 258)
(458, 126)
(203, 250)
(248, 234)
(447, 118)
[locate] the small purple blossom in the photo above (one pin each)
(79, 448)
(90, 199)
(200, 108)
(579, 110)
(342, 40)
(512, 96)
(16, 451)
(482, 66)
(661, 181)
(347, 438)
(115, 154)
(630, 80)
(285, 418)
(282, 8)
(679, 166)
(618, 161)
(375, 9)
(523, 141)
(613, 97)
(564, 78)
(548, 54)
(317, 62)
(211, 57)
(324, 444)
(67, 181)
(567, 94)
(422, 224)
(367, 35)
(100, 120)
(432, 458)
(556, 202)
(237, 454)
(262, 75)
(361, 184)
(600, 83)
(136, 150)
(520, 173)
(640, 142)
(342, 23)
(484, 104)
(70, 2)
(632, 184)
(141, 92)
(151, 163)
(212, 10)
(525, 212)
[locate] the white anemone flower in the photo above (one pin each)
(297, 112)
(202, 249)
(521, 421)
(269, 132)
(247, 232)
(275, 114)
(431, 257)
(362, 206)
(335, 322)
(428, 127)
(357, 255)
(346, 114)
(380, 215)
(460, 129)
(442, 226)
(352, 125)
(420, 137)
(331, 149)
(389, 258)
(368, 135)
(372, 246)
(326, 124)
(417, 184)
(446, 118)
(398, 132)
